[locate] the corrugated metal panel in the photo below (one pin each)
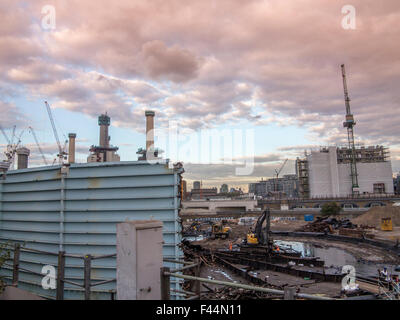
(78, 213)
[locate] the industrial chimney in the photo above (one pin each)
(23, 154)
(149, 129)
(104, 123)
(71, 147)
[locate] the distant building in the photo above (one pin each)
(224, 188)
(326, 173)
(286, 186)
(204, 193)
(252, 188)
(196, 185)
(396, 184)
(184, 190)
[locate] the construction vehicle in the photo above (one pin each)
(386, 224)
(260, 236)
(220, 231)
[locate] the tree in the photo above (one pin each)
(4, 256)
(330, 209)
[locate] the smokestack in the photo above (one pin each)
(104, 123)
(149, 129)
(71, 147)
(23, 154)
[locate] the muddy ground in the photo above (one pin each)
(360, 251)
(277, 280)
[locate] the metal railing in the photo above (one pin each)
(166, 273)
(60, 278)
(389, 289)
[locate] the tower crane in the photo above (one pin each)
(5, 135)
(349, 124)
(12, 147)
(38, 145)
(13, 134)
(277, 172)
(61, 152)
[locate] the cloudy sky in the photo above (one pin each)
(267, 68)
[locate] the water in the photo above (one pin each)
(194, 238)
(336, 258)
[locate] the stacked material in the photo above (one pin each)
(374, 215)
(327, 225)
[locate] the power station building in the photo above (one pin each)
(327, 172)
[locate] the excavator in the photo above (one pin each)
(260, 236)
(220, 231)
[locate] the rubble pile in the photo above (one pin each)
(229, 293)
(327, 225)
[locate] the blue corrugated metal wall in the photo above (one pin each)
(78, 211)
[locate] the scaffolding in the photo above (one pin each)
(302, 174)
(363, 154)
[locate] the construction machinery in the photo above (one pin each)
(260, 236)
(219, 230)
(11, 149)
(349, 124)
(386, 224)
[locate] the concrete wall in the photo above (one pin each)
(320, 180)
(219, 205)
(368, 174)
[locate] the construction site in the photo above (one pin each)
(308, 254)
(117, 229)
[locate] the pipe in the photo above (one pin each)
(247, 287)
(71, 147)
(149, 130)
(62, 204)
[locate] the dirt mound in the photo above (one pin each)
(374, 215)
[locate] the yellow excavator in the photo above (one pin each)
(260, 236)
(220, 231)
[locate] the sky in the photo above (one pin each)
(260, 79)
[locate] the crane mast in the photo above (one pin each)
(12, 147)
(5, 135)
(61, 153)
(277, 172)
(38, 145)
(349, 124)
